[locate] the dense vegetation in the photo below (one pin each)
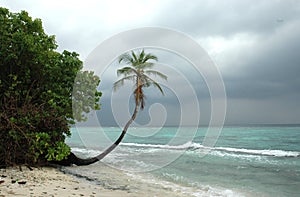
(36, 86)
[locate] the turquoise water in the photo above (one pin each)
(263, 161)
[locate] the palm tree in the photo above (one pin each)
(138, 70)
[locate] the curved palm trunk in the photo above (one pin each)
(73, 159)
(117, 142)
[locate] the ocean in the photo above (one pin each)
(245, 161)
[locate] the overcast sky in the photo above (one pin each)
(255, 45)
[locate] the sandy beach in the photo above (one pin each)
(49, 181)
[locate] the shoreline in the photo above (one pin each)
(50, 181)
(105, 182)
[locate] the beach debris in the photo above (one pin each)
(21, 182)
(2, 181)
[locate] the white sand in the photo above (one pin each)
(52, 182)
(48, 182)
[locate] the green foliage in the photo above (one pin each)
(84, 97)
(36, 86)
(42, 145)
(138, 69)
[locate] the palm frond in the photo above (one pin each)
(158, 86)
(156, 73)
(145, 65)
(141, 56)
(148, 57)
(138, 69)
(126, 71)
(148, 81)
(126, 58)
(121, 82)
(134, 56)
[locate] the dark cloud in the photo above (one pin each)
(261, 77)
(269, 68)
(225, 18)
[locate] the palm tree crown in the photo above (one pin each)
(138, 70)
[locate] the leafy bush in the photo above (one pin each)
(36, 85)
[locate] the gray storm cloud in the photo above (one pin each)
(255, 45)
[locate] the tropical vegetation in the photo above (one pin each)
(36, 92)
